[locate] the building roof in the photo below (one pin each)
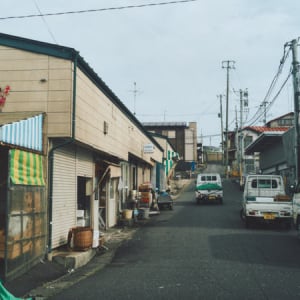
(262, 129)
(165, 124)
(291, 114)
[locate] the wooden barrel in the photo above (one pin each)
(82, 238)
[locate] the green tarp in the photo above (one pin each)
(26, 168)
(209, 186)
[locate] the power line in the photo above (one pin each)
(267, 107)
(259, 113)
(44, 20)
(96, 10)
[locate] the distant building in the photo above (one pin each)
(182, 137)
(286, 120)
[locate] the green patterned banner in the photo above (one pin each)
(26, 168)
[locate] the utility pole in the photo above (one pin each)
(264, 104)
(222, 137)
(227, 64)
(243, 103)
(294, 44)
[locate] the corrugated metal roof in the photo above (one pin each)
(22, 129)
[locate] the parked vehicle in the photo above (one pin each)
(265, 200)
(209, 188)
(164, 199)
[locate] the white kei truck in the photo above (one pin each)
(209, 188)
(265, 200)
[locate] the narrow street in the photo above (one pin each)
(199, 252)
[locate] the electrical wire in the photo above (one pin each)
(96, 10)
(259, 112)
(44, 20)
(273, 100)
(279, 91)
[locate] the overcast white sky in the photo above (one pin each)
(174, 53)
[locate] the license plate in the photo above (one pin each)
(269, 216)
(211, 197)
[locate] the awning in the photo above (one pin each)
(26, 168)
(264, 141)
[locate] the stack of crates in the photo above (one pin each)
(145, 195)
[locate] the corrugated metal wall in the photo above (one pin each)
(69, 162)
(64, 195)
(84, 163)
(24, 133)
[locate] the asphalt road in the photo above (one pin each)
(199, 252)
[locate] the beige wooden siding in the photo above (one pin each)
(64, 195)
(24, 71)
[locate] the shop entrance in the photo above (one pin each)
(84, 201)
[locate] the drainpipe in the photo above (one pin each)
(51, 158)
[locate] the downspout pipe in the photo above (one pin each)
(51, 155)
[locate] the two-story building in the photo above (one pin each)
(95, 150)
(182, 136)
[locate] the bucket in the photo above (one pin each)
(144, 213)
(127, 214)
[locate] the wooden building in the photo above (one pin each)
(96, 151)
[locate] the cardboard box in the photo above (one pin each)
(282, 198)
(145, 187)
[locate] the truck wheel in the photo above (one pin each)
(242, 216)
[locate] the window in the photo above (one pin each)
(247, 141)
(285, 122)
(209, 178)
(264, 183)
